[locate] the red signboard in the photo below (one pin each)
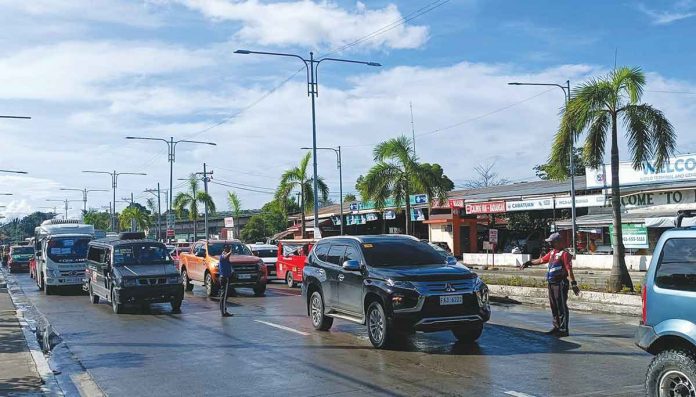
(489, 207)
(170, 233)
(456, 203)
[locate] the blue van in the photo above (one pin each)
(668, 325)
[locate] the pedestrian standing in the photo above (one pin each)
(560, 271)
(225, 272)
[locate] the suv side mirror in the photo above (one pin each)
(451, 261)
(351, 265)
(200, 253)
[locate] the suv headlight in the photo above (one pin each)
(482, 296)
(129, 282)
(173, 279)
(400, 284)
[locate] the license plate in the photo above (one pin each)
(451, 300)
(244, 276)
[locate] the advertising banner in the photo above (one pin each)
(415, 199)
(645, 199)
(229, 221)
(634, 235)
(678, 168)
(489, 207)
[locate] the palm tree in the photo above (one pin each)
(298, 179)
(398, 174)
(596, 107)
(236, 208)
(136, 214)
(191, 199)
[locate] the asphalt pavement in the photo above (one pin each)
(270, 348)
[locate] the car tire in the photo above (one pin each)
(186, 281)
(117, 307)
(94, 298)
(671, 372)
(316, 312)
(39, 281)
(378, 328)
(468, 334)
(211, 289)
(176, 305)
(260, 290)
(289, 280)
(49, 289)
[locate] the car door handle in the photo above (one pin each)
(341, 277)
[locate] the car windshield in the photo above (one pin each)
(22, 250)
(141, 254)
(215, 249)
(400, 253)
(68, 249)
(265, 252)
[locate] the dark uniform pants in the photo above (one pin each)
(224, 285)
(558, 299)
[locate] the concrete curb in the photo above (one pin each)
(587, 301)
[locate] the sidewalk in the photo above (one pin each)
(594, 278)
(18, 373)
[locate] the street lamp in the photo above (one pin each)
(84, 196)
(312, 67)
(339, 164)
(114, 185)
(66, 201)
(13, 172)
(566, 94)
(171, 149)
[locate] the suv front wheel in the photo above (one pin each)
(378, 328)
(672, 373)
(316, 311)
(468, 334)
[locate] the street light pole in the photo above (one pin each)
(66, 201)
(13, 172)
(159, 209)
(171, 150)
(312, 68)
(114, 185)
(566, 94)
(339, 164)
(84, 196)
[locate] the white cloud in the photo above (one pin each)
(313, 24)
(120, 12)
(679, 11)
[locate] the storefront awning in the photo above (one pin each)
(651, 218)
(436, 221)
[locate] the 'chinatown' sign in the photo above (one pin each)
(659, 198)
(547, 203)
(677, 168)
(489, 207)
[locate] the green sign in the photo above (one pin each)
(415, 199)
(634, 235)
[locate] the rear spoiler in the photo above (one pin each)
(684, 214)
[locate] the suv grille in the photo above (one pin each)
(245, 268)
(152, 281)
(435, 287)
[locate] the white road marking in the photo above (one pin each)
(517, 394)
(282, 327)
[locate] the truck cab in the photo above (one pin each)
(292, 255)
(668, 324)
(61, 250)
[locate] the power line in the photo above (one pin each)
(242, 188)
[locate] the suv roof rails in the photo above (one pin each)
(131, 236)
(684, 214)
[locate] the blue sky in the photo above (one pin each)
(91, 72)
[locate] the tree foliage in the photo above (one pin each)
(190, 201)
(349, 198)
(134, 213)
(101, 220)
(561, 171)
(485, 177)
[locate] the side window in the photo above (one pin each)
(321, 250)
(93, 254)
(677, 267)
(335, 255)
(352, 254)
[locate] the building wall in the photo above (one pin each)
(438, 234)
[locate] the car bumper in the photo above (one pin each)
(64, 280)
(237, 282)
(644, 337)
(18, 267)
(428, 315)
(152, 294)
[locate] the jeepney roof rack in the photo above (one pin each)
(684, 214)
(60, 221)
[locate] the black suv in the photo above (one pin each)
(394, 284)
(132, 270)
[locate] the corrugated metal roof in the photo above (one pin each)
(519, 190)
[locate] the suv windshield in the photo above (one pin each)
(68, 249)
(265, 252)
(141, 254)
(400, 253)
(215, 249)
(22, 251)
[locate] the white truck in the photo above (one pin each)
(61, 253)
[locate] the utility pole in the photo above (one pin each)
(206, 178)
(65, 201)
(159, 209)
(84, 197)
(413, 129)
(339, 163)
(114, 184)
(132, 202)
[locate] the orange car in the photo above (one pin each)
(200, 267)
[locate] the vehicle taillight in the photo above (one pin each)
(644, 317)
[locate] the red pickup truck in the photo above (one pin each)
(200, 266)
(291, 259)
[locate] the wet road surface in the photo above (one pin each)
(270, 348)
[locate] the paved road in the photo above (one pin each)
(270, 348)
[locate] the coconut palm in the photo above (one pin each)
(189, 201)
(398, 174)
(236, 207)
(134, 214)
(596, 108)
(298, 179)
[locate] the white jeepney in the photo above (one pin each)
(61, 252)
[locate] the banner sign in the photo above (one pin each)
(490, 207)
(593, 200)
(634, 235)
(456, 203)
(543, 203)
(415, 199)
(547, 203)
(659, 198)
(229, 222)
(493, 236)
(678, 168)
(417, 214)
